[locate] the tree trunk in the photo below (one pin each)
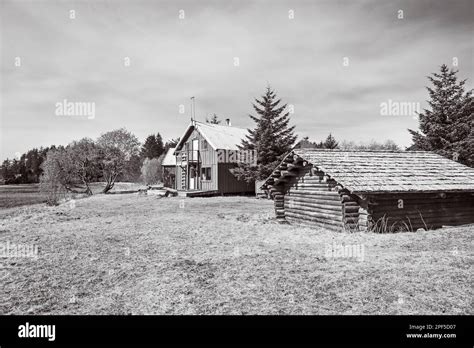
(88, 190)
(110, 183)
(107, 188)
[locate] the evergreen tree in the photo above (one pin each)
(213, 120)
(171, 143)
(160, 148)
(153, 146)
(447, 128)
(150, 147)
(7, 172)
(330, 142)
(272, 138)
(305, 144)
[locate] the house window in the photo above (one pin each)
(204, 145)
(206, 173)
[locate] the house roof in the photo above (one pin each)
(218, 137)
(390, 171)
(169, 159)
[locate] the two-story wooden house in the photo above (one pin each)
(205, 155)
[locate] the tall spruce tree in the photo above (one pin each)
(330, 142)
(214, 119)
(160, 148)
(447, 128)
(272, 138)
(153, 147)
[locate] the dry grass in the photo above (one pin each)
(26, 194)
(222, 255)
(17, 195)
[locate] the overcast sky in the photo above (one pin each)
(172, 59)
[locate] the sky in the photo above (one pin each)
(335, 62)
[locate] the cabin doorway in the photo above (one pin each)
(192, 177)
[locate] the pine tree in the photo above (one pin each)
(213, 120)
(148, 149)
(160, 148)
(447, 128)
(153, 146)
(330, 143)
(272, 138)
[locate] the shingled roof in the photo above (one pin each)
(169, 159)
(390, 171)
(219, 137)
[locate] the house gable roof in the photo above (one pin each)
(218, 137)
(390, 171)
(169, 159)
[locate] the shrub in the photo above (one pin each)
(52, 180)
(151, 171)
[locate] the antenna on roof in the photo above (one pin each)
(193, 114)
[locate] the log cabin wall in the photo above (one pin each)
(351, 213)
(313, 199)
(421, 210)
(381, 191)
(278, 200)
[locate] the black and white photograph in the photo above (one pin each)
(236, 160)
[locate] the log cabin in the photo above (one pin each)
(381, 191)
(205, 156)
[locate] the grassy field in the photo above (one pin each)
(17, 195)
(131, 254)
(26, 194)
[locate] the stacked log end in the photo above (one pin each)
(350, 211)
(304, 194)
(313, 200)
(279, 201)
(281, 179)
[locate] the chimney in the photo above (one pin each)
(227, 122)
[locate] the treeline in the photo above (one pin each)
(25, 169)
(128, 157)
(114, 156)
(332, 143)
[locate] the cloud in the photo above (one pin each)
(173, 59)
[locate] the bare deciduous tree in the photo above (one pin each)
(84, 157)
(117, 147)
(389, 145)
(151, 171)
(54, 179)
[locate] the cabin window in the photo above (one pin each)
(204, 144)
(206, 173)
